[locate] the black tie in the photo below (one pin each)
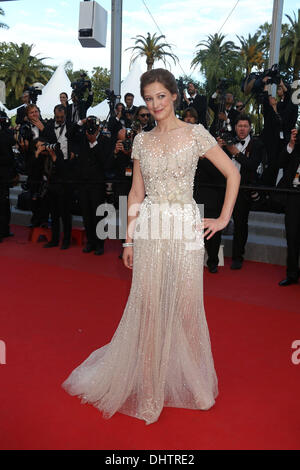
(57, 127)
(242, 142)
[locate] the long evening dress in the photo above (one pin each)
(160, 354)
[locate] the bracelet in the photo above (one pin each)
(126, 244)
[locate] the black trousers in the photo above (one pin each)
(292, 228)
(91, 195)
(5, 213)
(240, 217)
(59, 197)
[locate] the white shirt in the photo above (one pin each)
(60, 133)
(241, 148)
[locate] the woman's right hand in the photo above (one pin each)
(128, 257)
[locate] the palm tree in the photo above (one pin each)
(213, 58)
(20, 68)
(290, 45)
(3, 25)
(151, 48)
(251, 51)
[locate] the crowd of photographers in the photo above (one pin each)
(69, 159)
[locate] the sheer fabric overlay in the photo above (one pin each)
(160, 354)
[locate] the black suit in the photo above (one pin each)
(91, 165)
(199, 103)
(249, 162)
(232, 116)
(212, 198)
(291, 163)
(289, 114)
(21, 113)
(6, 174)
(81, 107)
(60, 189)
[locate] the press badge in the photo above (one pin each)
(128, 172)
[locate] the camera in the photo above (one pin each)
(227, 135)
(53, 147)
(92, 125)
(127, 143)
(25, 132)
(81, 85)
(34, 92)
(254, 81)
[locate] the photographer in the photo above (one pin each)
(247, 155)
(225, 115)
(21, 111)
(196, 101)
(78, 109)
(93, 158)
(272, 135)
(287, 110)
(7, 173)
(291, 180)
(60, 199)
(143, 120)
(128, 98)
(118, 120)
(29, 133)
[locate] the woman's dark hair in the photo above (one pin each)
(162, 76)
(64, 93)
(192, 112)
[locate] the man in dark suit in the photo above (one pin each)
(247, 154)
(21, 111)
(198, 102)
(129, 106)
(7, 173)
(78, 109)
(224, 113)
(34, 167)
(59, 194)
(291, 180)
(94, 157)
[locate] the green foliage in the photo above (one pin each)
(19, 69)
(152, 49)
(100, 82)
(3, 25)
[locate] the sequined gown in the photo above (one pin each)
(160, 354)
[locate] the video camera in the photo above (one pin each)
(111, 98)
(253, 83)
(80, 86)
(92, 125)
(34, 92)
(25, 132)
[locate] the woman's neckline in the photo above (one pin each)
(170, 130)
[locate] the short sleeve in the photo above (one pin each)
(136, 147)
(204, 140)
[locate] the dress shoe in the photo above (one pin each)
(50, 245)
(65, 246)
(99, 251)
(213, 269)
(88, 248)
(287, 282)
(236, 264)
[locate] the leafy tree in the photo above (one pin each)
(152, 49)
(3, 25)
(100, 82)
(19, 68)
(251, 50)
(214, 58)
(290, 45)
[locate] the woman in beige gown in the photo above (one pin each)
(160, 354)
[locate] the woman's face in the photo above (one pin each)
(63, 98)
(159, 101)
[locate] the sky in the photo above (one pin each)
(52, 26)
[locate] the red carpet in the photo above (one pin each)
(58, 306)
